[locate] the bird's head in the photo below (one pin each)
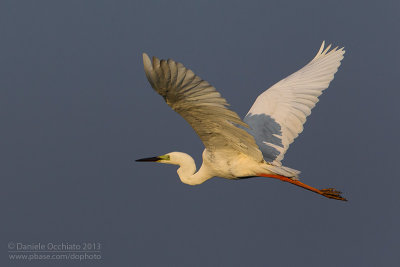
(175, 158)
(161, 159)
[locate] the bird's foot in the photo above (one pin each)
(332, 193)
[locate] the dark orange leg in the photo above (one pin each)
(329, 192)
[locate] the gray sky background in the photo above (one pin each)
(76, 110)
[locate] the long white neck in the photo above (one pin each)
(187, 169)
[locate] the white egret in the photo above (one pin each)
(254, 146)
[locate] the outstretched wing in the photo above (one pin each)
(201, 106)
(277, 116)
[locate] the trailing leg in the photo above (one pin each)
(329, 192)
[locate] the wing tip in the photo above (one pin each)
(146, 62)
(323, 51)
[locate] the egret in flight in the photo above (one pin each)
(254, 146)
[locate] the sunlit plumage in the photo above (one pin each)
(254, 146)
